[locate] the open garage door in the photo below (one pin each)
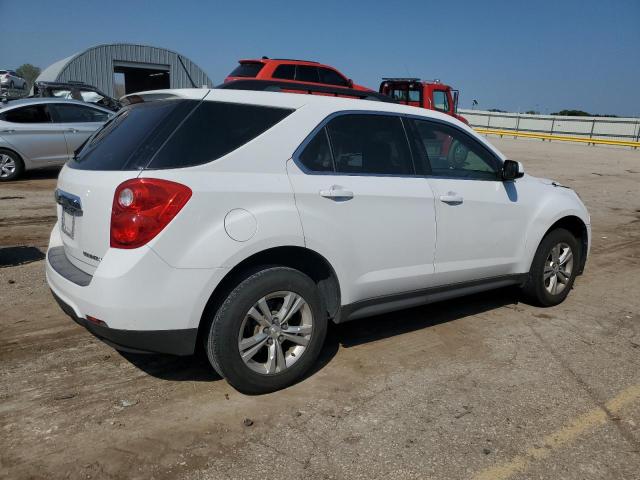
(130, 77)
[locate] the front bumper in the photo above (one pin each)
(145, 304)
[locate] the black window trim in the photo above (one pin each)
(298, 151)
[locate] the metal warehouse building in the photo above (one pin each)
(122, 68)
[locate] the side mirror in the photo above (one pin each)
(512, 170)
(350, 83)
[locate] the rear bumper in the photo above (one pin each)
(145, 304)
(174, 342)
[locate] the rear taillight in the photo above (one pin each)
(142, 207)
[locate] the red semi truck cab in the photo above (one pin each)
(430, 95)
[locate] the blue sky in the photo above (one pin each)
(513, 55)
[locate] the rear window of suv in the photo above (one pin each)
(174, 134)
(247, 69)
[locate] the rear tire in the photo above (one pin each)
(11, 166)
(268, 332)
(554, 268)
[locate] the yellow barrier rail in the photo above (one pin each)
(563, 138)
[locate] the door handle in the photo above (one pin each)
(72, 130)
(451, 198)
(7, 131)
(336, 192)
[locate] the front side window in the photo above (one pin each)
(370, 144)
(307, 74)
(444, 151)
(440, 100)
(29, 114)
(77, 114)
(285, 72)
(331, 77)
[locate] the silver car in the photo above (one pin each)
(10, 79)
(44, 132)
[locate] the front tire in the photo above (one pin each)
(268, 332)
(554, 268)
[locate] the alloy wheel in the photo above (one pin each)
(558, 268)
(7, 165)
(275, 332)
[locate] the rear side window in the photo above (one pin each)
(285, 72)
(215, 129)
(77, 114)
(248, 69)
(174, 134)
(30, 114)
(370, 144)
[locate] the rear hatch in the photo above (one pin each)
(117, 152)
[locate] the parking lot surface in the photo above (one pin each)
(485, 387)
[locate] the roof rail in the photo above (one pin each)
(276, 86)
(294, 60)
(264, 57)
(401, 79)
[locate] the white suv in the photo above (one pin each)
(245, 221)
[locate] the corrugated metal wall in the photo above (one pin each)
(95, 66)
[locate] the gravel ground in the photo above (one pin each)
(484, 387)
